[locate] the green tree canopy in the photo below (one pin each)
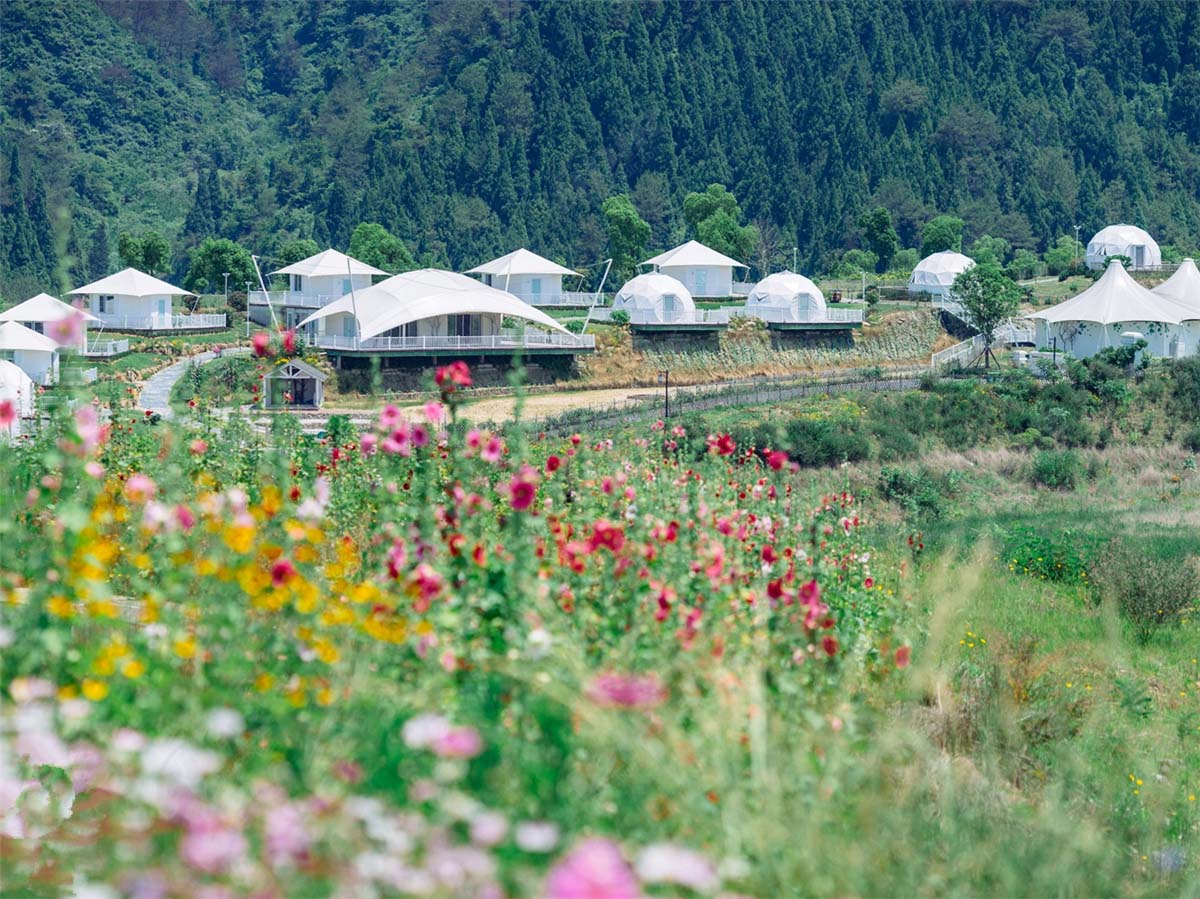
(988, 297)
(715, 198)
(98, 255)
(944, 232)
(295, 250)
(375, 245)
(212, 259)
(1060, 256)
(716, 219)
(149, 253)
(627, 234)
(990, 249)
(879, 235)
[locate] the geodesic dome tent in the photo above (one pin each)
(786, 296)
(935, 274)
(654, 297)
(17, 388)
(1123, 240)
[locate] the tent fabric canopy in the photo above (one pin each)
(1116, 297)
(786, 290)
(16, 387)
(521, 262)
(326, 264)
(649, 291)
(693, 253)
(132, 283)
(1123, 240)
(44, 308)
(1183, 287)
(15, 336)
(938, 271)
(427, 293)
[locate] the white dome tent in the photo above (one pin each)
(17, 388)
(935, 274)
(655, 298)
(1123, 240)
(786, 297)
(1115, 304)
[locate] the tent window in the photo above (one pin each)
(297, 283)
(535, 287)
(701, 280)
(106, 303)
(464, 326)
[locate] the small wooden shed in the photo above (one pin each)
(294, 383)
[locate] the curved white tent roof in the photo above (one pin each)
(1123, 240)
(427, 293)
(521, 262)
(132, 283)
(650, 291)
(328, 263)
(936, 273)
(16, 387)
(693, 253)
(44, 308)
(786, 290)
(1116, 298)
(15, 336)
(1183, 287)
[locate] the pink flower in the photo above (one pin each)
(593, 869)
(626, 691)
(903, 656)
(139, 488)
(287, 839)
(184, 517)
(397, 559)
(67, 331)
(458, 743)
(474, 439)
(434, 412)
(289, 341)
(523, 488)
(368, 444)
(209, 845)
(389, 417)
(450, 377)
(198, 447)
(492, 450)
(8, 413)
(814, 609)
(488, 828)
(91, 432)
(261, 343)
(777, 459)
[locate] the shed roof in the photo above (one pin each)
(521, 262)
(44, 308)
(693, 253)
(328, 262)
(130, 282)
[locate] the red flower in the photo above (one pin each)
(777, 459)
(608, 535)
(523, 488)
(451, 377)
(903, 655)
(553, 463)
(8, 413)
(768, 554)
(289, 341)
(282, 572)
(830, 645)
(262, 344)
(722, 445)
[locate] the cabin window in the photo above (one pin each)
(701, 280)
(297, 283)
(464, 325)
(106, 303)
(535, 287)
(35, 326)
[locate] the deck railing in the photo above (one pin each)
(107, 348)
(293, 298)
(505, 341)
(173, 322)
(786, 316)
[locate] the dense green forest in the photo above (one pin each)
(468, 129)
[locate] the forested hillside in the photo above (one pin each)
(469, 129)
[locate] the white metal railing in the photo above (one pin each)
(505, 341)
(107, 348)
(950, 303)
(787, 316)
(88, 375)
(172, 322)
(1013, 333)
(741, 288)
(648, 317)
(292, 298)
(965, 349)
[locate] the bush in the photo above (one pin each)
(1064, 556)
(237, 300)
(1150, 591)
(1191, 440)
(575, 325)
(917, 491)
(619, 317)
(1057, 469)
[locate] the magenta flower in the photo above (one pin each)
(492, 450)
(389, 417)
(286, 837)
(8, 413)
(594, 869)
(368, 444)
(67, 331)
(458, 743)
(626, 691)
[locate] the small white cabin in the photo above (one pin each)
(529, 277)
(702, 270)
(17, 388)
(134, 301)
(38, 313)
(33, 353)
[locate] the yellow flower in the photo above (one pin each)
(133, 669)
(58, 605)
(263, 682)
(185, 647)
(94, 690)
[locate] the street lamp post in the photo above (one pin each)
(226, 274)
(795, 257)
(1077, 245)
(666, 376)
(247, 308)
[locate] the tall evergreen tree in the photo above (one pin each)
(39, 223)
(99, 254)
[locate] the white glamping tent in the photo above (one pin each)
(426, 309)
(1183, 287)
(1123, 240)
(786, 297)
(654, 298)
(38, 312)
(17, 388)
(136, 301)
(34, 353)
(527, 276)
(1114, 305)
(935, 274)
(702, 270)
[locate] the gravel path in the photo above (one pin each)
(156, 392)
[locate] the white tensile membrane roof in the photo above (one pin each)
(693, 253)
(521, 262)
(16, 387)
(1183, 287)
(130, 282)
(939, 269)
(427, 293)
(15, 336)
(1116, 297)
(44, 308)
(1118, 240)
(327, 263)
(648, 291)
(786, 290)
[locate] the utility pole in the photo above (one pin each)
(247, 308)
(1078, 248)
(226, 274)
(795, 257)
(666, 375)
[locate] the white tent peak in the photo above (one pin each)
(1116, 297)
(693, 253)
(130, 282)
(328, 263)
(521, 262)
(44, 308)
(428, 293)
(15, 336)
(1183, 287)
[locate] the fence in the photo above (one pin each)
(507, 341)
(107, 348)
(164, 322)
(967, 349)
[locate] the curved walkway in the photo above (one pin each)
(156, 392)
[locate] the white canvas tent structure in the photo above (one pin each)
(312, 283)
(527, 276)
(17, 388)
(702, 270)
(654, 298)
(935, 273)
(430, 310)
(38, 312)
(135, 301)
(1115, 304)
(1183, 287)
(1123, 240)
(34, 353)
(786, 297)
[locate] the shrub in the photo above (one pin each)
(1064, 556)
(1191, 440)
(1057, 469)
(575, 325)
(619, 317)
(237, 300)
(1150, 591)
(917, 491)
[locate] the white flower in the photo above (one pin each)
(538, 643)
(6, 637)
(536, 836)
(225, 723)
(668, 863)
(424, 730)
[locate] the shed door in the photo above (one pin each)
(701, 282)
